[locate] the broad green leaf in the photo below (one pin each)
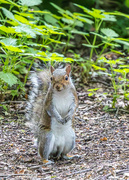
(25, 14)
(8, 14)
(9, 2)
(35, 44)
(68, 59)
(42, 53)
(98, 35)
(14, 23)
(24, 29)
(14, 49)
(90, 45)
(96, 13)
(78, 23)
(83, 19)
(117, 14)
(92, 90)
(109, 17)
(8, 78)
(58, 8)
(21, 19)
(112, 61)
(41, 12)
(111, 44)
(118, 52)
(124, 66)
(68, 21)
(8, 30)
(121, 42)
(122, 71)
(9, 41)
(79, 32)
(13, 3)
(50, 19)
(30, 2)
(55, 41)
(127, 3)
(99, 68)
(109, 32)
(90, 94)
(3, 1)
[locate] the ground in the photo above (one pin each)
(102, 141)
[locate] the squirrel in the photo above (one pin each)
(51, 109)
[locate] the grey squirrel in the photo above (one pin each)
(51, 109)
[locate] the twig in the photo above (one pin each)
(16, 102)
(119, 172)
(78, 172)
(8, 175)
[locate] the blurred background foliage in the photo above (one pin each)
(34, 33)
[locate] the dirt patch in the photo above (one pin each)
(102, 141)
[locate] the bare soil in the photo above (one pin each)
(102, 141)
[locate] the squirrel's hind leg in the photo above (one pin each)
(46, 143)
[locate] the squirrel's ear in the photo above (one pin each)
(52, 69)
(68, 69)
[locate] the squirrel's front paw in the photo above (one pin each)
(67, 118)
(60, 120)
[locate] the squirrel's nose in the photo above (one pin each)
(58, 87)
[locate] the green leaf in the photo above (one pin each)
(9, 41)
(8, 78)
(28, 15)
(14, 49)
(8, 30)
(21, 19)
(127, 3)
(27, 30)
(30, 2)
(89, 45)
(3, 1)
(58, 8)
(109, 17)
(109, 32)
(8, 14)
(98, 68)
(79, 32)
(122, 71)
(9, 2)
(92, 90)
(121, 42)
(83, 19)
(41, 12)
(96, 13)
(90, 94)
(112, 61)
(50, 19)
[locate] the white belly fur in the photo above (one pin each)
(63, 135)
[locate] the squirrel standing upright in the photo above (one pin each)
(51, 109)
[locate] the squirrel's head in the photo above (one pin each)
(60, 78)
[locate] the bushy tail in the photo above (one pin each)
(40, 84)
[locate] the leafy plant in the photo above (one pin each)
(20, 29)
(117, 73)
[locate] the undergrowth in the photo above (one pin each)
(29, 35)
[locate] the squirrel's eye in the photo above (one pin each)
(51, 78)
(66, 78)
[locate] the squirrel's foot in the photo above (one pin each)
(67, 156)
(47, 162)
